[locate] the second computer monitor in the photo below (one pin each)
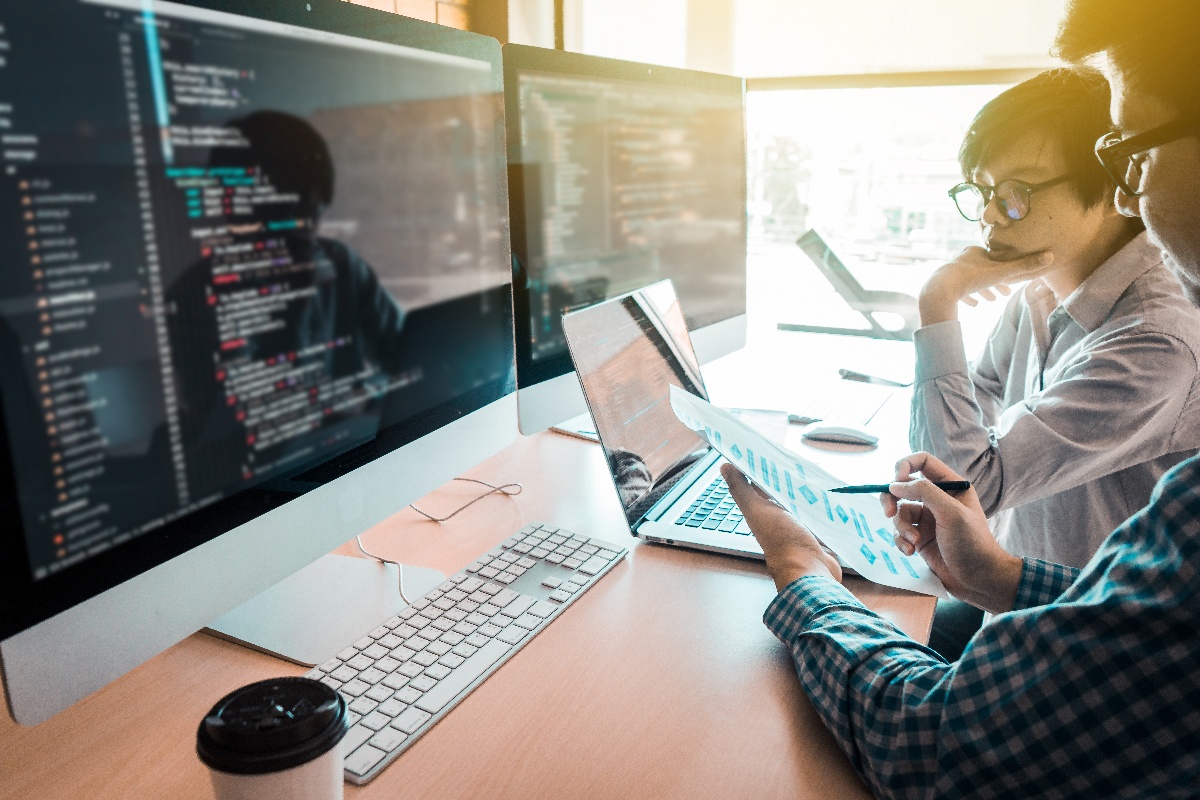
(620, 175)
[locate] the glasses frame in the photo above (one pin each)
(1113, 155)
(989, 193)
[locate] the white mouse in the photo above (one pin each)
(839, 434)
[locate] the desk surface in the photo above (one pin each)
(660, 682)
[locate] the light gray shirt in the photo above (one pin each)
(1072, 412)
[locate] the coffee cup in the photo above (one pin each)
(279, 738)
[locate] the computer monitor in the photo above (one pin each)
(620, 175)
(256, 299)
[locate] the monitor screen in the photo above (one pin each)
(620, 175)
(242, 258)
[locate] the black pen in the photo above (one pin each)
(882, 488)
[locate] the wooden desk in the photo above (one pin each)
(660, 682)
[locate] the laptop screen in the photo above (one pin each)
(628, 352)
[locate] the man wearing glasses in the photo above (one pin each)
(1086, 683)
(1076, 406)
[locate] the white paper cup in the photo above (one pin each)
(280, 738)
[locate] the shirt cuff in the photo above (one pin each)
(940, 351)
(793, 609)
(1042, 583)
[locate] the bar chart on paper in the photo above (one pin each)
(853, 527)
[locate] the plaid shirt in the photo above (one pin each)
(1089, 688)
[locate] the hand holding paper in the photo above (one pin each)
(853, 527)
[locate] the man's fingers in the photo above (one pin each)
(743, 492)
(927, 465)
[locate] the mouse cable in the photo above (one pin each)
(506, 489)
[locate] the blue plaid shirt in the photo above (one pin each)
(1089, 688)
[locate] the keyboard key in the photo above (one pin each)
(331, 683)
(391, 707)
(397, 680)
(541, 609)
(387, 739)
(364, 643)
(422, 683)
(424, 658)
(451, 638)
(344, 673)
(361, 662)
(389, 641)
(560, 596)
(551, 583)
(593, 565)
(489, 629)
(468, 606)
(470, 585)
(512, 634)
(528, 621)
(464, 628)
(571, 563)
(375, 720)
(379, 692)
(402, 654)
(411, 669)
(347, 654)
(387, 664)
(355, 737)
(363, 705)
(728, 525)
(450, 660)
(361, 760)
(572, 587)
(506, 578)
(490, 589)
(442, 624)
(471, 669)
(456, 595)
(539, 552)
(488, 610)
(437, 672)
(608, 555)
(404, 631)
(407, 613)
(352, 718)
(527, 563)
(477, 640)
(465, 650)
(371, 675)
(439, 648)
(354, 688)
(408, 695)
(410, 720)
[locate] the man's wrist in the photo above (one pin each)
(1001, 591)
(935, 304)
(787, 573)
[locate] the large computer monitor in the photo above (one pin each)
(256, 299)
(620, 175)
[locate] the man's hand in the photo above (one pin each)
(792, 552)
(951, 533)
(975, 271)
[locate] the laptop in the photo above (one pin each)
(628, 351)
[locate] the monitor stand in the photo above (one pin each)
(332, 603)
(581, 427)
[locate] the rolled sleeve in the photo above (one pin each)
(1042, 583)
(939, 350)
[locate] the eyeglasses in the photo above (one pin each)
(1119, 157)
(1015, 197)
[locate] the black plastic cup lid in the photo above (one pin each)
(272, 725)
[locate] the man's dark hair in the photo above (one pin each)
(1152, 42)
(1067, 108)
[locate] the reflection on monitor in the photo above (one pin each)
(621, 175)
(244, 260)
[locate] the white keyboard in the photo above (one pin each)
(405, 675)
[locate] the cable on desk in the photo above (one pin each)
(506, 489)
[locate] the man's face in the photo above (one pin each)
(1170, 201)
(1057, 221)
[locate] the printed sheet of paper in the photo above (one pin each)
(853, 526)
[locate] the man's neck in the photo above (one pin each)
(1071, 276)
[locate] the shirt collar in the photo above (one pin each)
(1092, 303)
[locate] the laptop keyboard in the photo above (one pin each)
(714, 510)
